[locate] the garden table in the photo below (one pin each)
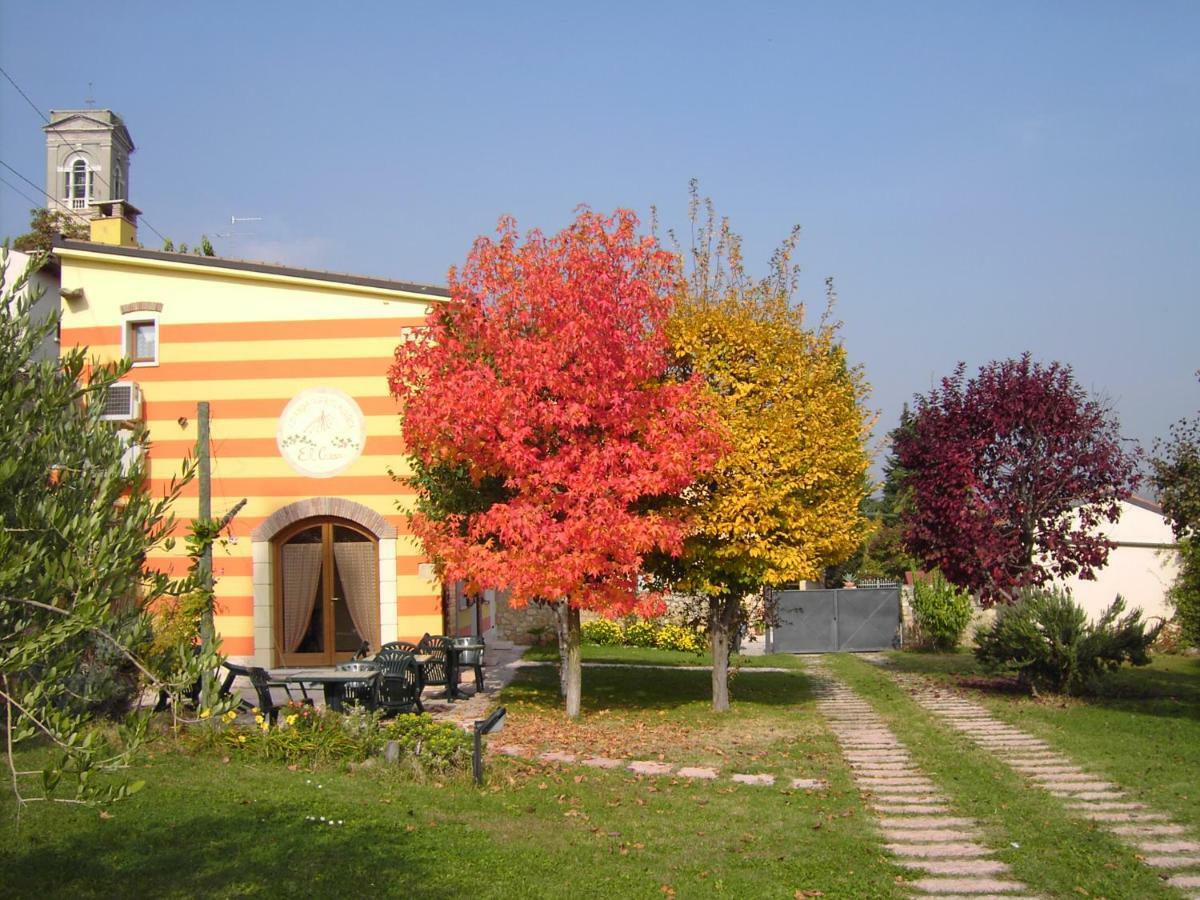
(332, 681)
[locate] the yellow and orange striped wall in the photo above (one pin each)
(248, 338)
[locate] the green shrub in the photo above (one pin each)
(1185, 592)
(307, 736)
(436, 745)
(103, 682)
(601, 632)
(677, 637)
(942, 611)
(1046, 639)
(639, 633)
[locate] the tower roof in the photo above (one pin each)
(65, 120)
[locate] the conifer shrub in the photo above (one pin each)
(1047, 640)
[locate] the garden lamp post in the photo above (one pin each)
(493, 724)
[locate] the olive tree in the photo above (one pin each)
(77, 524)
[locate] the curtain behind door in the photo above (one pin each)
(301, 574)
(356, 569)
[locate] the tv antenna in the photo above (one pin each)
(90, 100)
(234, 220)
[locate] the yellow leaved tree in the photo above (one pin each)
(783, 503)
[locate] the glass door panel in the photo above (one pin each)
(355, 590)
(328, 594)
(301, 563)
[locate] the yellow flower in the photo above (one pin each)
(291, 720)
(241, 739)
(258, 719)
(205, 713)
(231, 715)
(265, 726)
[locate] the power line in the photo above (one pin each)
(52, 199)
(23, 94)
(54, 128)
(16, 190)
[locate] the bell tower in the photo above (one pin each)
(87, 159)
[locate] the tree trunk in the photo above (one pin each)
(562, 630)
(718, 632)
(574, 664)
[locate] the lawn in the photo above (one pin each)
(203, 826)
(240, 827)
(656, 657)
(1055, 852)
(1142, 730)
(631, 712)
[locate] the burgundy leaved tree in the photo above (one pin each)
(1012, 473)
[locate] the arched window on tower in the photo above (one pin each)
(80, 184)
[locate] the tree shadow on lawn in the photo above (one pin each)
(265, 852)
(634, 690)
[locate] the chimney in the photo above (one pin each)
(115, 222)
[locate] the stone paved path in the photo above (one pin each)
(658, 767)
(1161, 844)
(918, 822)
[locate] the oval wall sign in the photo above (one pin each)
(321, 432)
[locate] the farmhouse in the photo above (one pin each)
(291, 365)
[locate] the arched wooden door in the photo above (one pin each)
(326, 592)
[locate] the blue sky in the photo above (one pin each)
(980, 179)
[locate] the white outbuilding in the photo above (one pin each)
(1141, 568)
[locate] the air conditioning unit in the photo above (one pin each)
(122, 402)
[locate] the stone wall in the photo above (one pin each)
(526, 625)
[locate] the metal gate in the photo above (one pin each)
(826, 621)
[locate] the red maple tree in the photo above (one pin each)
(542, 425)
(1011, 475)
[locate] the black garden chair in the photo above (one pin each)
(260, 680)
(233, 671)
(436, 670)
(402, 646)
(359, 693)
(399, 685)
(262, 687)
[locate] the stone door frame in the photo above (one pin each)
(263, 574)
